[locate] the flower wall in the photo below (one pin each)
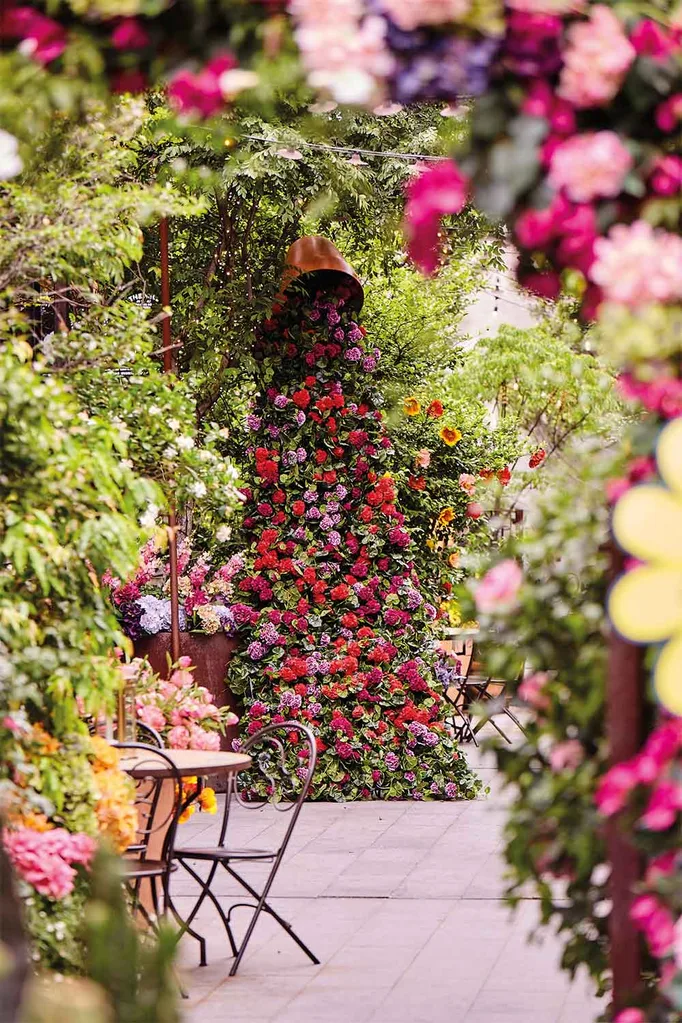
(335, 629)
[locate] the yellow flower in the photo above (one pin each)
(412, 407)
(451, 435)
(446, 516)
(115, 808)
(186, 814)
(106, 755)
(645, 604)
(208, 801)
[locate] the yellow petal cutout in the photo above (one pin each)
(645, 605)
(647, 522)
(668, 676)
(669, 455)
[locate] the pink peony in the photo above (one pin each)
(596, 59)
(439, 190)
(178, 737)
(411, 14)
(590, 166)
(499, 588)
(151, 716)
(636, 264)
(566, 756)
(199, 738)
(181, 678)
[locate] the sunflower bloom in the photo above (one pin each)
(450, 435)
(412, 407)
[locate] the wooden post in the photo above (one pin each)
(168, 368)
(624, 727)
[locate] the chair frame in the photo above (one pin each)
(222, 855)
(150, 827)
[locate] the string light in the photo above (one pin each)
(349, 149)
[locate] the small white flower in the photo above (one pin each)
(170, 452)
(223, 533)
(149, 517)
(184, 442)
(127, 463)
(197, 489)
(10, 161)
(173, 425)
(154, 410)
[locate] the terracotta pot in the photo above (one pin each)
(317, 263)
(211, 656)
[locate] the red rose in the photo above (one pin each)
(298, 508)
(321, 456)
(301, 398)
(279, 497)
(504, 475)
(310, 381)
(339, 592)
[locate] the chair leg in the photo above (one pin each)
(207, 893)
(263, 906)
(516, 721)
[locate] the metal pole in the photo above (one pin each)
(168, 368)
(624, 726)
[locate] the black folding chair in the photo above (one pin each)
(491, 697)
(456, 692)
(153, 769)
(272, 755)
(143, 733)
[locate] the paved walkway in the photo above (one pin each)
(400, 901)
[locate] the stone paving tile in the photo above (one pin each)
(401, 903)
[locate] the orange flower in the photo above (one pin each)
(412, 407)
(416, 483)
(453, 560)
(435, 409)
(208, 801)
(446, 516)
(451, 435)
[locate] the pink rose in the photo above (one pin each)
(663, 807)
(499, 588)
(181, 678)
(666, 176)
(590, 166)
(185, 662)
(201, 739)
(531, 691)
(566, 756)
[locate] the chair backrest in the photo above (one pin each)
(283, 764)
(143, 733)
(159, 799)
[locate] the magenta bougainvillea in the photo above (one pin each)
(335, 629)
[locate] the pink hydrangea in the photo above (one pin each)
(499, 588)
(410, 14)
(547, 6)
(637, 264)
(590, 166)
(596, 59)
(438, 190)
(200, 93)
(44, 859)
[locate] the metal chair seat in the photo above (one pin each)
(135, 870)
(223, 852)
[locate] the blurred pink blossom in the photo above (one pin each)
(411, 14)
(499, 588)
(590, 166)
(637, 264)
(596, 59)
(567, 755)
(438, 190)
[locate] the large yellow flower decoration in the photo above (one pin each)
(645, 604)
(450, 435)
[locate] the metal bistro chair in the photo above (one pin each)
(288, 789)
(456, 692)
(144, 733)
(491, 696)
(154, 819)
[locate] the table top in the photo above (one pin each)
(189, 762)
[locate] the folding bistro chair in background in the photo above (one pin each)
(268, 749)
(455, 691)
(491, 695)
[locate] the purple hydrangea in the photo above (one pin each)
(300, 417)
(353, 355)
(313, 514)
(326, 523)
(253, 422)
(269, 634)
(333, 317)
(291, 700)
(369, 364)
(315, 709)
(274, 431)
(410, 776)
(414, 600)
(341, 491)
(314, 315)
(309, 496)
(430, 612)
(451, 790)
(434, 787)
(255, 650)
(334, 539)
(301, 454)
(299, 533)
(289, 458)
(281, 401)
(325, 639)
(392, 761)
